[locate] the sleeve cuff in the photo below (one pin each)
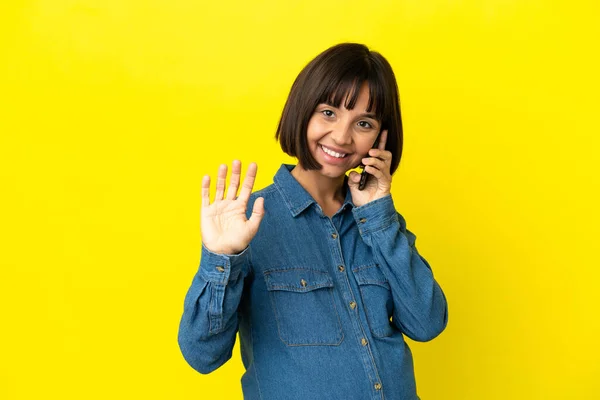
(220, 268)
(375, 215)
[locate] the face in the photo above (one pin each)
(339, 138)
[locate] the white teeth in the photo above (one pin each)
(333, 153)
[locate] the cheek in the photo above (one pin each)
(365, 144)
(314, 133)
(311, 129)
(363, 148)
(314, 125)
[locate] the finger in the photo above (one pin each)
(221, 182)
(374, 162)
(381, 154)
(248, 182)
(374, 171)
(234, 181)
(206, 191)
(258, 212)
(383, 140)
(353, 178)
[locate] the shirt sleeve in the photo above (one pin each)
(209, 323)
(420, 306)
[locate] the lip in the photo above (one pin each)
(337, 150)
(330, 159)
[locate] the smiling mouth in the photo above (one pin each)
(333, 153)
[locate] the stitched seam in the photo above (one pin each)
(299, 289)
(368, 281)
(362, 282)
(361, 267)
(269, 271)
(383, 225)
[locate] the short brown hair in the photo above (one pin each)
(328, 78)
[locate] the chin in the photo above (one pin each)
(330, 173)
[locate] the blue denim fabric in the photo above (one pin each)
(321, 304)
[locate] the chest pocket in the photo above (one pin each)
(377, 298)
(303, 303)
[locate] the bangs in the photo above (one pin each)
(348, 87)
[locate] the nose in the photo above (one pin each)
(341, 134)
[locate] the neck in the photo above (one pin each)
(325, 190)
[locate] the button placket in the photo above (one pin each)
(355, 315)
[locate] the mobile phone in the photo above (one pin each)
(364, 174)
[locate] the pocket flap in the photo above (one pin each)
(297, 279)
(370, 275)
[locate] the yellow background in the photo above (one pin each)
(111, 112)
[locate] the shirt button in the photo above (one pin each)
(303, 282)
(363, 341)
(363, 220)
(334, 235)
(341, 268)
(377, 386)
(353, 305)
(220, 268)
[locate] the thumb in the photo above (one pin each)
(353, 179)
(258, 212)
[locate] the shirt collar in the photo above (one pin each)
(296, 197)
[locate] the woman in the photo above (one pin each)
(320, 277)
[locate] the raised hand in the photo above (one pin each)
(225, 228)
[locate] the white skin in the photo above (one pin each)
(352, 132)
(225, 228)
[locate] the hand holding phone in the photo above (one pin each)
(364, 174)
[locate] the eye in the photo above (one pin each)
(365, 124)
(328, 113)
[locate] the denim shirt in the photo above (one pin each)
(321, 304)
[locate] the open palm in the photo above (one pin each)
(225, 228)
